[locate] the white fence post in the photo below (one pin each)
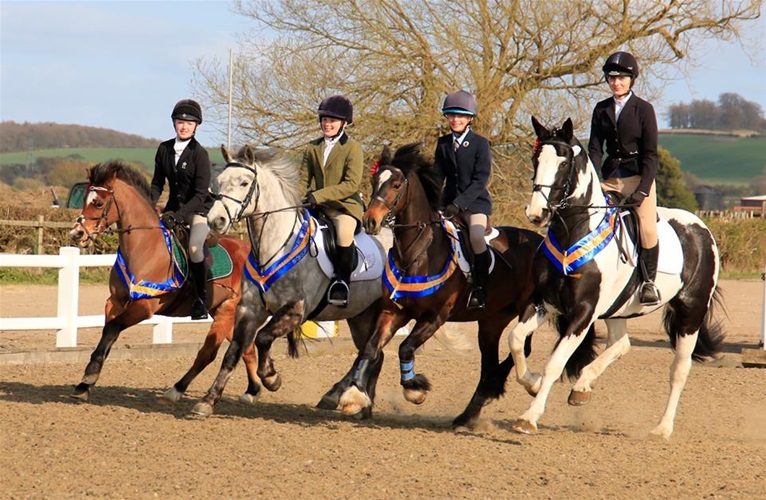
(68, 296)
(162, 333)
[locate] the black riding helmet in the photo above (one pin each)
(187, 110)
(621, 64)
(337, 106)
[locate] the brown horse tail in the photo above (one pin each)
(585, 352)
(711, 335)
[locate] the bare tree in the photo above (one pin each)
(397, 59)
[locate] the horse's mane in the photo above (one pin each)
(102, 172)
(276, 162)
(409, 158)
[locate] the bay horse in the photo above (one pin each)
(424, 282)
(588, 271)
(148, 277)
(286, 277)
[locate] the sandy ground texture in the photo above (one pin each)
(125, 444)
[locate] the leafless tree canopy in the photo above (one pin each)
(397, 59)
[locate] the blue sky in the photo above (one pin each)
(123, 64)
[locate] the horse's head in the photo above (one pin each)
(558, 159)
(99, 210)
(389, 186)
(237, 189)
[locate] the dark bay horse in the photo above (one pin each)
(424, 282)
(588, 271)
(285, 282)
(148, 276)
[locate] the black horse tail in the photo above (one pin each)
(585, 352)
(292, 342)
(711, 334)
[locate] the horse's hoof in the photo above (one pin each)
(248, 399)
(661, 432)
(524, 427)
(353, 401)
(171, 396)
(201, 410)
(327, 403)
(365, 414)
(272, 383)
(415, 396)
(81, 394)
(579, 398)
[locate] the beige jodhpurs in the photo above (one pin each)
(197, 234)
(647, 212)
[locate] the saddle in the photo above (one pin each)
(327, 228)
(218, 262)
(458, 232)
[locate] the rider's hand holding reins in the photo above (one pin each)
(310, 201)
(451, 211)
(169, 220)
(635, 199)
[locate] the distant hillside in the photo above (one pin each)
(20, 137)
(718, 158)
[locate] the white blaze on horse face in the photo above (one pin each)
(90, 198)
(383, 177)
(548, 162)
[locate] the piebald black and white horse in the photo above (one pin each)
(585, 273)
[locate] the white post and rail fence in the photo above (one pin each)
(69, 261)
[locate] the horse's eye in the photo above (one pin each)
(244, 184)
(98, 203)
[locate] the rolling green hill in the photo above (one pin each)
(718, 159)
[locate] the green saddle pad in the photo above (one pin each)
(218, 261)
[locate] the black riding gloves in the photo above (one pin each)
(169, 220)
(636, 198)
(451, 211)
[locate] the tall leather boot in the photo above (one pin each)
(337, 295)
(480, 272)
(648, 293)
(199, 275)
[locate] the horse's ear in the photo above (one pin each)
(568, 129)
(385, 156)
(540, 130)
(249, 155)
(226, 155)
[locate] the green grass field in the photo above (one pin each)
(718, 159)
(714, 159)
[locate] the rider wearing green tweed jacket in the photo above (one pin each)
(331, 173)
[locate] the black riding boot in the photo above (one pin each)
(480, 271)
(199, 275)
(648, 293)
(337, 295)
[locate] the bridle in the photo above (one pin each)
(566, 187)
(103, 218)
(393, 208)
(245, 202)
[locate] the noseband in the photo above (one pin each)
(243, 203)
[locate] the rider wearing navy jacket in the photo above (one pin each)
(464, 160)
(626, 126)
(186, 166)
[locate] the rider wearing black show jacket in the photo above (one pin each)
(637, 125)
(189, 180)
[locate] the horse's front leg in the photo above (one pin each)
(415, 386)
(247, 324)
(117, 320)
(367, 365)
(493, 374)
(283, 322)
(582, 319)
(618, 344)
(530, 320)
